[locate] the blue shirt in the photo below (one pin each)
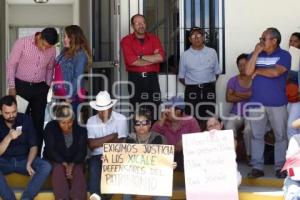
(271, 91)
(199, 66)
(19, 147)
(72, 68)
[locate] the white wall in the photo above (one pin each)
(245, 20)
(40, 15)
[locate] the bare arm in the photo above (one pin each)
(243, 95)
(13, 134)
(250, 68)
(31, 156)
(271, 72)
(98, 142)
(235, 97)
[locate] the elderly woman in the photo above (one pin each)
(66, 148)
(143, 135)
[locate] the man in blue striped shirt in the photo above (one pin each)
(268, 65)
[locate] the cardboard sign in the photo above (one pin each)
(295, 53)
(209, 166)
(141, 169)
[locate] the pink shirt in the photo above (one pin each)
(28, 63)
(189, 125)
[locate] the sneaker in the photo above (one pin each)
(280, 174)
(256, 173)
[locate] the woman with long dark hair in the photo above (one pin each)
(70, 65)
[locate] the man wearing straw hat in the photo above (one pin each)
(106, 126)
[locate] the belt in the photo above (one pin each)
(202, 85)
(28, 83)
(143, 74)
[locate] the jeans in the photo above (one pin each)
(130, 197)
(41, 167)
(95, 167)
(277, 116)
(294, 113)
(291, 189)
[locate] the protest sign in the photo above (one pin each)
(295, 54)
(209, 166)
(141, 169)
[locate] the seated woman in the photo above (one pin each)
(213, 124)
(143, 135)
(66, 148)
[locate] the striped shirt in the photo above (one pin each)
(271, 91)
(28, 63)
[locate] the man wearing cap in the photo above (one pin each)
(198, 68)
(105, 127)
(173, 124)
(142, 53)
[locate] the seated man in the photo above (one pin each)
(173, 123)
(238, 93)
(18, 150)
(105, 127)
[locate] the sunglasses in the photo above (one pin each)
(141, 123)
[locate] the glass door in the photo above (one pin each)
(105, 46)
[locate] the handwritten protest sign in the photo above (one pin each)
(209, 166)
(142, 169)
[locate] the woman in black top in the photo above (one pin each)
(66, 148)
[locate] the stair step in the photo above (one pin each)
(263, 182)
(260, 193)
(264, 188)
(245, 193)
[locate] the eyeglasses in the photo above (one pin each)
(264, 38)
(141, 123)
(196, 36)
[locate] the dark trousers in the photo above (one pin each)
(201, 100)
(145, 91)
(41, 167)
(36, 95)
(95, 167)
(64, 188)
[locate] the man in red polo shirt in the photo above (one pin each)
(142, 53)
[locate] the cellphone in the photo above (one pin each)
(19, 128)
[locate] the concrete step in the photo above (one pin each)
(264, 188)
(245, 193)
(260, 193)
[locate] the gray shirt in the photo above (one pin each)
(68, 139)
(199, 66)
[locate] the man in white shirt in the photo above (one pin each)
(105, 127)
